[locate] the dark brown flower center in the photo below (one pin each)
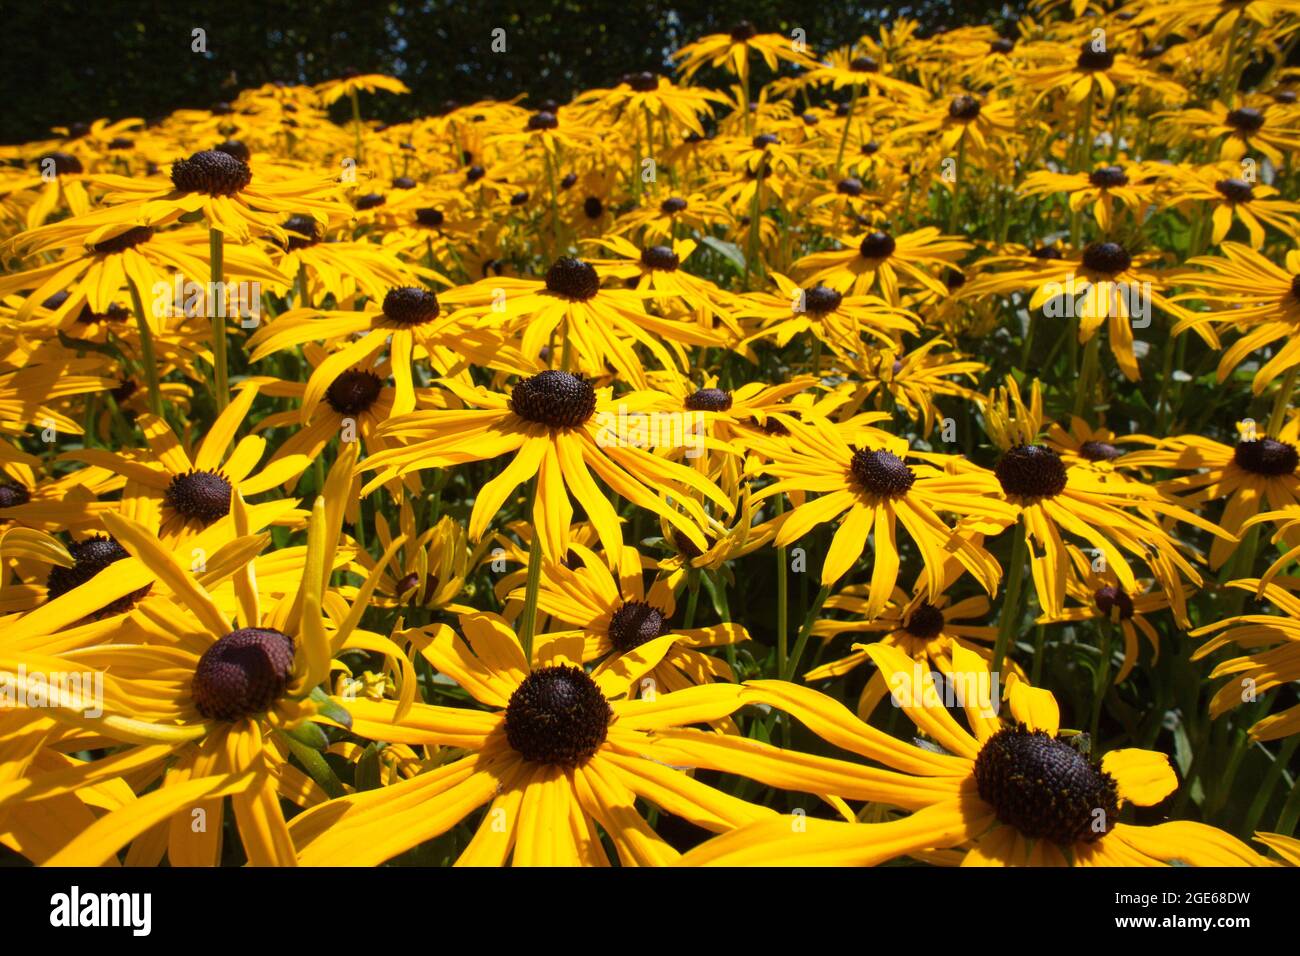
(1109, 258)
(124, 240)
(572, 278)
(821, 299)
(1094, 61)
(1266, 456)
(660, 257)
(243, 674)
(1108, 177)
(557, 715)
(772, 426)
(592, 207)
(428, 216)
(964, 107)
(1045, 788)
(925, 621)
(709, 400)
(543, 119)
(304, 232)
(864, 64)
(881, 472)
(673, 204)
(1245, 120)
(1031, 471)
(411, 305)
(116, 312)
(744, 30)
(418, 595)
(554, 398)
(12, 495)
(65, 164)
(201, 495)
(849, 186)
(1235, 190)
(90, 557)
(1108, 598)
(211, 172)
(370, 201)
(354, 391)
(877, 245)
(635, 623)
(643, 82)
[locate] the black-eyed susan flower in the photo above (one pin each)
(181, 491)
(877, 482)
(558, 753)
(884, 261)
(1011, 792)
(560, 429)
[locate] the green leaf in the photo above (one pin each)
(309, 735)
(317, 768)
(367, 773)
(728, 250)
(328, 707)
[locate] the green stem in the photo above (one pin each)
(528, 622)
(1011, 604)
(1088, 372)
(1282, 402)
(1103, 678)
(555, 205)
(1286, 821)
(146, 352)
(1040, 638)
(220, 382)
(1083, 158)
(1225, 78)
(844, 136)
(720, 593)
(955, 208)
(744, 95)
(753, 261)
(650, 142)
(1268, 784)
(792, 665)
(693, 597)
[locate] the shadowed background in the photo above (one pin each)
(69, 60)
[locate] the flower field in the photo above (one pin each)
(873, 455)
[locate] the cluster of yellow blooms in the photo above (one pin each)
(362, 483)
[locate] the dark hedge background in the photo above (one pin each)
(77, 60)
